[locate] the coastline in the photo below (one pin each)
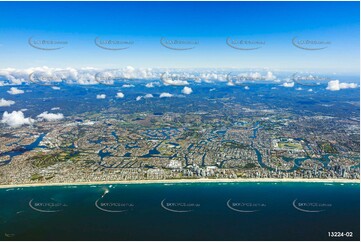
(179, 181)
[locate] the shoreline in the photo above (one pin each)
(180, 181)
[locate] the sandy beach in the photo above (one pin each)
(201, 180)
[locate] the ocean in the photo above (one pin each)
(186, 211)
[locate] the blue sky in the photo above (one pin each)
(275, 23)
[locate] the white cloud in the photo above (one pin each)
(310, 90)
(50, 116)
(152, 84)
(246, 87)
(212, 89)
(336, 85)
(82, 76)
(55, 108)
(209, 77)
(101, 96)
(187, 90)
(6, 103)
(165, 94)
(269, 76)
(108, 76)
(257, 75)
(55, 88)
(299, 89)
(148, 96)
(15, 91)
(16, 119)
(333, 85)
(230, 83)
(288, 84)
(120, 95)
(91, 76)
(127, 85)
(173, 80)
(236, 79)
(176, 82)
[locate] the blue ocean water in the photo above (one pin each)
(187, 211)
